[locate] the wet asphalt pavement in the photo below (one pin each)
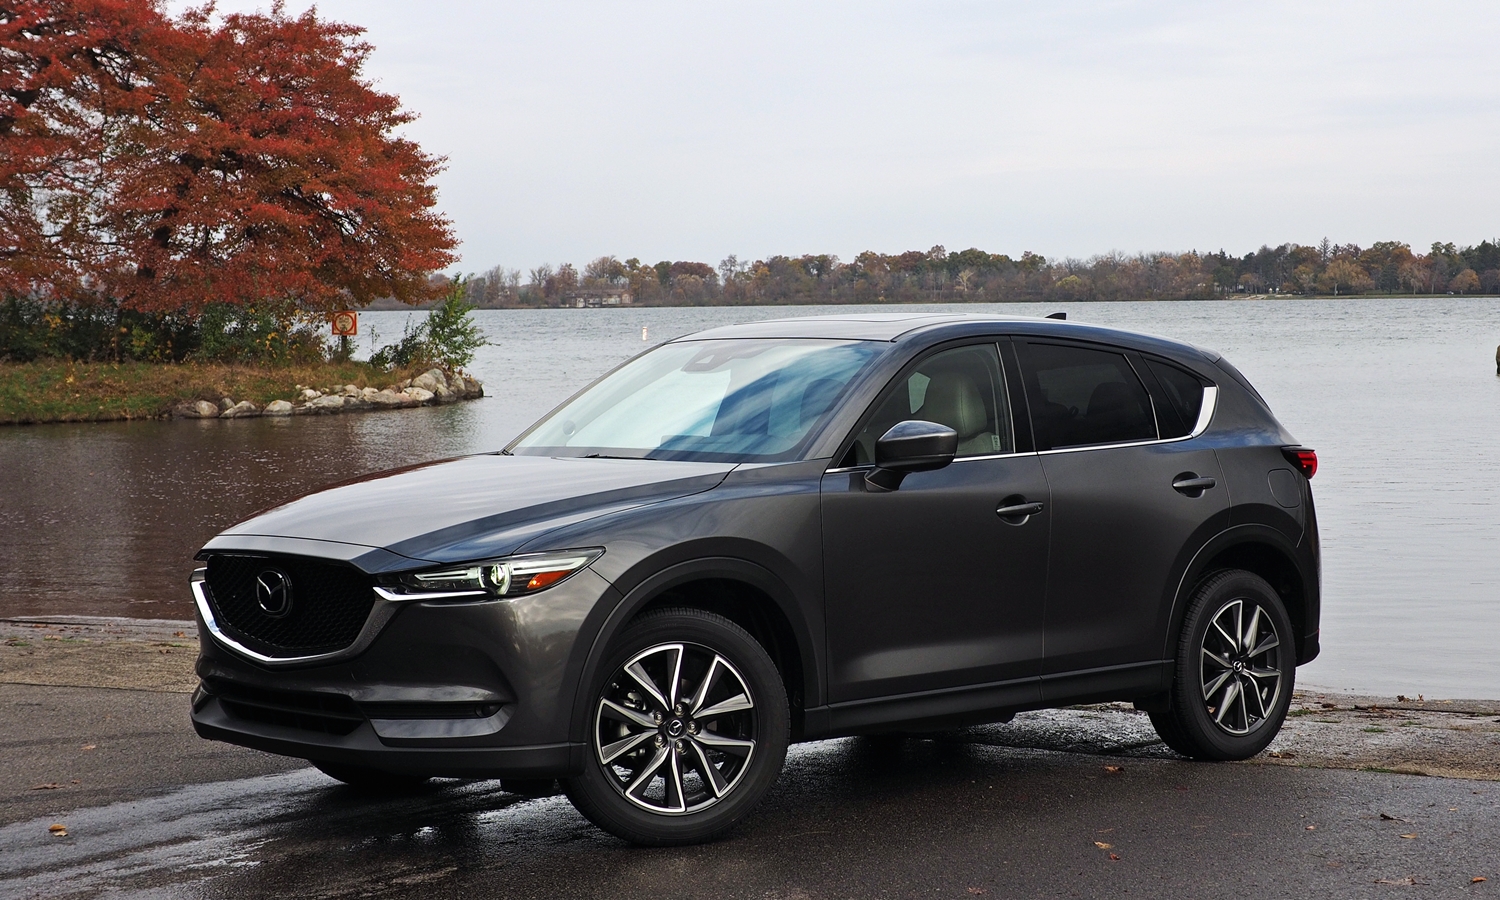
(158, 813)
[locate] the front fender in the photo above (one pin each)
(601, 629)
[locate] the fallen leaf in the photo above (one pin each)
(1115, 857)
(1330, 706)
(1477, 878)
(1103, 846)
(1114, 770)
(1282, 754)
(164, 651)
(58, 829)
(49, 786)
(1390, 818)
(90, 746)
(1409, 836)
(178, 634)
(1311, 828)
(1409, 881)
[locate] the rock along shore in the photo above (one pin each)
(431, 388)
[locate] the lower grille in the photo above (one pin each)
(321, 607)
(333, 714)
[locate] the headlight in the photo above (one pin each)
(512, 576)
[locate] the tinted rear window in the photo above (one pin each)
(1082, 396)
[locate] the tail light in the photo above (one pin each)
(1304, 459)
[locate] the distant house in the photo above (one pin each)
(582, 297)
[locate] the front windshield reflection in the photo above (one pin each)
(735, 400)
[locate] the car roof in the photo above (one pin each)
(894, 327)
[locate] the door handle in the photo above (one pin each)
(1016, 510)
(1192, 485)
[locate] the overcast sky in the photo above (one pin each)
(697, 130)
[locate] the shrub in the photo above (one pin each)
(447, 337)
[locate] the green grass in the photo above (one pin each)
(64, 391)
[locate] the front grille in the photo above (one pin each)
(328, 609)
(333, 714)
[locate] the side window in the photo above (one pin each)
(961, 388)
(1184, 398)
(1082, 396)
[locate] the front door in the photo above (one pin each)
(927, 587)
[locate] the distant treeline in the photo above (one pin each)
(937, 275)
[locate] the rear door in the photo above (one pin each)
(1131, 501)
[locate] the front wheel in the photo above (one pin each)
(1236, 662)
(687, 730)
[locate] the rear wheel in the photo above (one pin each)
(1236, 663)
(367, 779)
(687, 730)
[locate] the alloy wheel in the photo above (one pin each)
(675, 728)
(1241, 666)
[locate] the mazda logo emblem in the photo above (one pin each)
(273, 591)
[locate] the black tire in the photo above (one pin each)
(370, 780)
(667, 767)
(1228, 700)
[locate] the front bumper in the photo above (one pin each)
(482, 689)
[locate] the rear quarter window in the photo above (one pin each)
(1182, 398)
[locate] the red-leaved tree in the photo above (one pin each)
(162, 164)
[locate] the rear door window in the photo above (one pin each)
(1183, 398)
(1082, 395)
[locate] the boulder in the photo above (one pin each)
(473, 387)
(420, 395)
(225, 404)
(368, 393)
(198, 409)
(351, 389)
(310, 394)
(241, 410)
(278, 408)
(327, 403)
(388, 399)
(430, 380)
(446, 394)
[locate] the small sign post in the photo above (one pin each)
(344, 324)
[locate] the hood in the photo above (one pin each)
(470, 508)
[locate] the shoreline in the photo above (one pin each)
(953, 301)
(61, 391)
(1457, 738)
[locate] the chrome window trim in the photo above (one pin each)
(1205, 418)
(956, 460)
(379, 615)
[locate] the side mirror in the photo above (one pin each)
(911, 446)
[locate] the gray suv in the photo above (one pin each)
(776, 532)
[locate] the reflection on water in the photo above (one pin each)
(1398, 397)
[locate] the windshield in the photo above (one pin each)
(733, 401)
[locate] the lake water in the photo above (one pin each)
(1399, 397)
